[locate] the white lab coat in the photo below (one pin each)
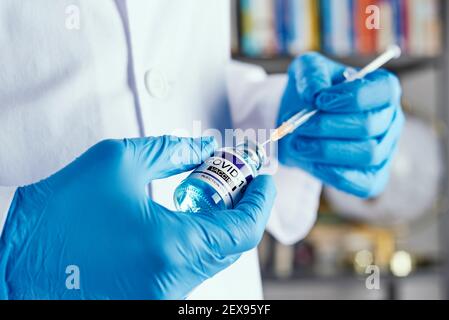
(134, 68)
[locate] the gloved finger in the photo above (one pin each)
(314, 72)
(364, 183)
(360, 125)
(231, 232)
(181, 244)
(353, 153)
(376, 90)
(161, 157)
(207, 263)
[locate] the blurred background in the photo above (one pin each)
(405, 232)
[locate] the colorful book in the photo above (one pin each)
(259, 36)
(302, 26)
(281, 21)
(386, 35)
(365, 32)
(326, 26)
(341, 24)
(338, 27)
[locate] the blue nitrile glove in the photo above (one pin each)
(95, 217)
(350, 143)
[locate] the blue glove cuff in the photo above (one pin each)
(13, 232)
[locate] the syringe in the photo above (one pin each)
(393, 52)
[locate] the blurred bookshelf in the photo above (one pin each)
(271, 33)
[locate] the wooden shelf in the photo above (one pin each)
(404, 64)
(342, 276)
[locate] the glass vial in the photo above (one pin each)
(219, 183)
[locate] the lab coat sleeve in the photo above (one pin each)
(6, 196)
(254, 99)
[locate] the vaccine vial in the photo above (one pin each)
(219, 183)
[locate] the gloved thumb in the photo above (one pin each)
(161, 157)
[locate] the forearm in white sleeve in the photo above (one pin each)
(6, 197)
(254, 99)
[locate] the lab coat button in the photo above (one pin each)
(156, 83)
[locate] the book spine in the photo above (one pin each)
(366, 35)
(326, 26)
(281, 25)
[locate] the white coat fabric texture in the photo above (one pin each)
(134, 68)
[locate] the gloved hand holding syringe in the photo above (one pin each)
(220, 182)
(393, 52)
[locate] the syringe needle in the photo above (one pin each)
(285, 129)
(262, 145)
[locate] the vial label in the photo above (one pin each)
(227, 173)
